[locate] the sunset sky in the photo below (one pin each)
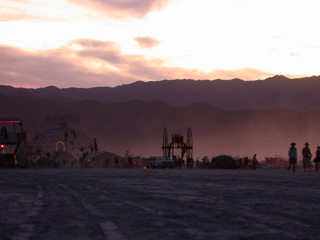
(90, 43)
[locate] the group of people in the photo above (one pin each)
(306, 160)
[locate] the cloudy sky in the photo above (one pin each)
(89, 43)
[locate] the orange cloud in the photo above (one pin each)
(147, 42)
(97, 63)
(123, 8)
(293, 54)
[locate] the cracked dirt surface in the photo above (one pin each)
(158, 204)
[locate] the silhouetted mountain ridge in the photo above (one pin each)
(301, 94)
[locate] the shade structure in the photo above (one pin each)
(62, 141)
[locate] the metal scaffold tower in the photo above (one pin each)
(186, 148)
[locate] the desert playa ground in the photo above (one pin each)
(159, 204)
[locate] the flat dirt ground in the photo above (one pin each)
(159, 204)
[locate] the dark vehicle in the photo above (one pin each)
(163, 162)
(226, 162)
(13, 140)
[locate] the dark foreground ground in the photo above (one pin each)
(159, 204)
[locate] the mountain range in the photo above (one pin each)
(138, 124)
(301, 94)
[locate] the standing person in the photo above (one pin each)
(254, 162)
(179, 162)
(188, 162)
(107, 163)
(197, 163)
(130, 162)
(191, 163)
(306, 157)
(116, 162)
(207, 162)
(246, 163)
(292, 156)
(317, 159)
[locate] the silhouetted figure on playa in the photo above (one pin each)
(254, 162)
(246, 163)
(174, 159)
(95, 145)
(292, 156)
(116, 162)
(306, 157)
(188, 162)
(317, 159)
(179, 162)
(206, 162)
(197, 163)
(107, 163)
(130, 162)
(191, 163)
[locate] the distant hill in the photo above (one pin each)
(138, 125)
(277, 92)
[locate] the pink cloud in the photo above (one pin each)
(12, 13)
(123, 8)
(147, 42)
(96, 63)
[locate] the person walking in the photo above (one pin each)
(292, 156)
(317, 159)
(306, 157)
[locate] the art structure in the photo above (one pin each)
(63, 142)
(177, 147)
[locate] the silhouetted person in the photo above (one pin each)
(206, 162)
(116, 162)
(188, 162)
(174, 159)
(107, 163)
(317, 159)
(292, 156)
(306, 157)
(197, 163)
(179, 162)
(130, 162)
(246, 163)
(212, 163)
(95, 145)
(254, 162)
